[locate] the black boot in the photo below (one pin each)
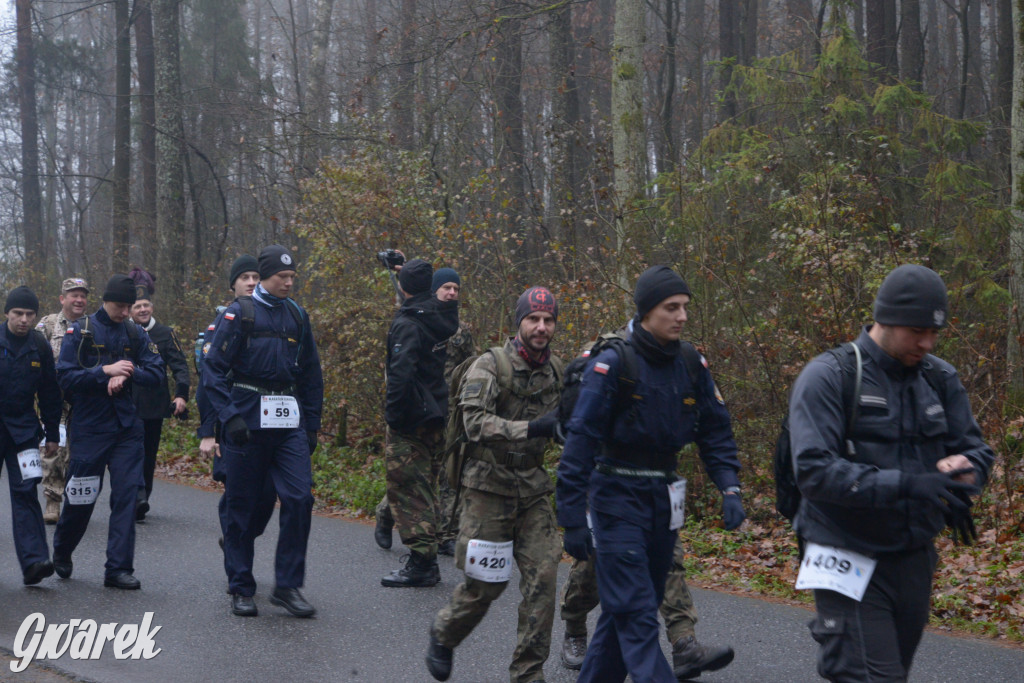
(418, 572)
(382, 532)
(690, 658)
(439, 660)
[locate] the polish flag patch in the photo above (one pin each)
(601, 368)
(69, 331)
(212, 326)
(229, 316)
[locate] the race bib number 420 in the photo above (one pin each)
(835, 569)
(490, 562)
(279, 412)
(82, 490)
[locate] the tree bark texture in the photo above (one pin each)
(143, 24)
(121, 199)
(728, 47)
(628, 140)
(911, 43)
(1015, 341)
(169, 147)
(31, 199)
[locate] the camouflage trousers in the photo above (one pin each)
(448, 523)
(413, 464)
(677, 609)
(530, 524)
(55, 469)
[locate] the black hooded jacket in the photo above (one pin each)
(417, 394)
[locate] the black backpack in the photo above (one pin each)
(625, 398)
(787, 495)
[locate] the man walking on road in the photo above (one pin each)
(509, 400)
(875, 498)
(27, 373)
(262, 376)
(74, 297)
(620, 458)
(417, 405)
(102, 357)
(446, 286)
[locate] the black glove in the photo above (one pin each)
(962, 523)
(237, 431)
(313, 442)
(544, 426)
(732, 511)
(578, 542)
(938, 488)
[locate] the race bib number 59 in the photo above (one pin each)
(279, 412)
(835, 569)
(490, 562)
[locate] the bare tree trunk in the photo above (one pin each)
(402, 101)
(881, 35)
(669, 152)
(31, 198)
(627, 118)
(508, 119)
(693, 101)
(565, 105)
(748, 32)
(1015, 341)
(800, 26)
(170, 210)
(911, 43)
(728, 27)
(858, 20)
(120, 199)
(316, 91)
(147, 131)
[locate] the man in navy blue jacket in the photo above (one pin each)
(263, 379)
(104, 356)
(620, 461)
(27, 372)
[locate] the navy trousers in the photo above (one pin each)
(262, 514)
(120, 453)
(632, 564)
(282, 456)
(26, 515)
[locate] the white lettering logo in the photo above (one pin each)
(286, 259)
(82, 639)
(940, 318)
(933, 409)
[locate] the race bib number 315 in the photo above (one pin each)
(82, 490)
(835, 569)
(490, 562)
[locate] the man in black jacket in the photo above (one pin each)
(417, 406)
(153, 403)
(27, 373)
(874, 498)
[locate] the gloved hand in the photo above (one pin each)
(237, 431)
(938, 488)
(312, 440)
(962, 523)
(732, 511)
(544, 426)
(578, 543)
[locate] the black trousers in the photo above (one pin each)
(150, 444)
(875, 639)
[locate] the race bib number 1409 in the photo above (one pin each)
(835, 569)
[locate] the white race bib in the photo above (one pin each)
(677, 496)
(63, 439)
(82, 490)
(835, 569)
(279, 412)
(30, 465)
(490, 562)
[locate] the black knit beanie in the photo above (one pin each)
(654, 285)
(533, 300)
(243, 264)
(22, 297)
(120, 289)
(274, 259)
(912, 296)
(415, 277)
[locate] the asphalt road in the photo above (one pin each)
(362, 632)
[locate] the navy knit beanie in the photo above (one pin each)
(912, 296)
(654, 285)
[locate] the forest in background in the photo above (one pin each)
(783, 155)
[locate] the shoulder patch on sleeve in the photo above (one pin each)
(229, 316)
(601, 368)
(472, 389)
(69, 331)
(718, 396)
(703, 360)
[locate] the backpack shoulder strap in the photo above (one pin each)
(936, 379)
(502, 366)
(248, 318)
(42, 346)
(851, 369)
(692, 358)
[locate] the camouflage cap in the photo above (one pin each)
(74, 283)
